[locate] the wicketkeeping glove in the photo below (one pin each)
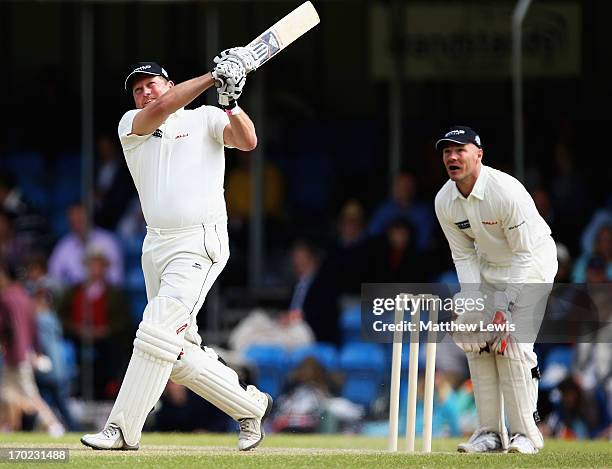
(470, 340)
(501, 317)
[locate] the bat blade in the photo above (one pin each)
(284, 32)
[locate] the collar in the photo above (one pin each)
(479, 187)
(481, 183)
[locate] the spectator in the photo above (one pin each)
(54, 383)
(13, 249)
(346, 261)
(593, 364)
(573, 415)
(542, 201)
(114, 185)
(393, 257)
(28, 223)
(402, 204)
(37, 277)
(288, 329)
(109, 322)
(315, 293)
(601, 217)
(569, 196)
(183, 411)
(304, 400)
(350, 226)
(18, 335)
(602, 247)
(67, 259)
(565, 264)
(454, 411)
(447, 404)
(597, 270)
(575, 313)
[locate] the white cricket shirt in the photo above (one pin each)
(494, 232)
(178, 170)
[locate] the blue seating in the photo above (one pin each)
(65, 190)
(325, 353)
(134, 279)
(449, 277)
(556, 366)
(132, 250)
(138, 302)
(271, 364)
(25, 165)
(36, 193)
(365, 369)
(29, 170)
(562, 355)
(350, 324)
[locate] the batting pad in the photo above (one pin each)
(156, 349)
(487, 393)
(520, 389)
(202, 372)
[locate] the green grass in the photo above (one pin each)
(306, 451)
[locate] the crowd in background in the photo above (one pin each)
(63, 285)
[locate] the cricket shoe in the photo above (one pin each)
(109, 438)
(251, 429)
(519, 443)
(482, 441)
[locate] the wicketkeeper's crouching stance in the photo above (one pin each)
(176, 158)
(503, 252)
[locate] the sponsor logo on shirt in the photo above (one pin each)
(182, 328)
(463, 225)
(181, 136)
(158, 133)
(197, 265)
(489, 222)
(516, 226)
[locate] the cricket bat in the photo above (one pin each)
(284, 32)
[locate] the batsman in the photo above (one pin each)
(176, 158)
(503, 252)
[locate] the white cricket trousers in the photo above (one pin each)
(180, 266)
(183, 264)
(507, 384)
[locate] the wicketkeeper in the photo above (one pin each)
(503, 252)
(176, 158)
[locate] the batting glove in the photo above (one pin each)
(230, 78)
(240, 55)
